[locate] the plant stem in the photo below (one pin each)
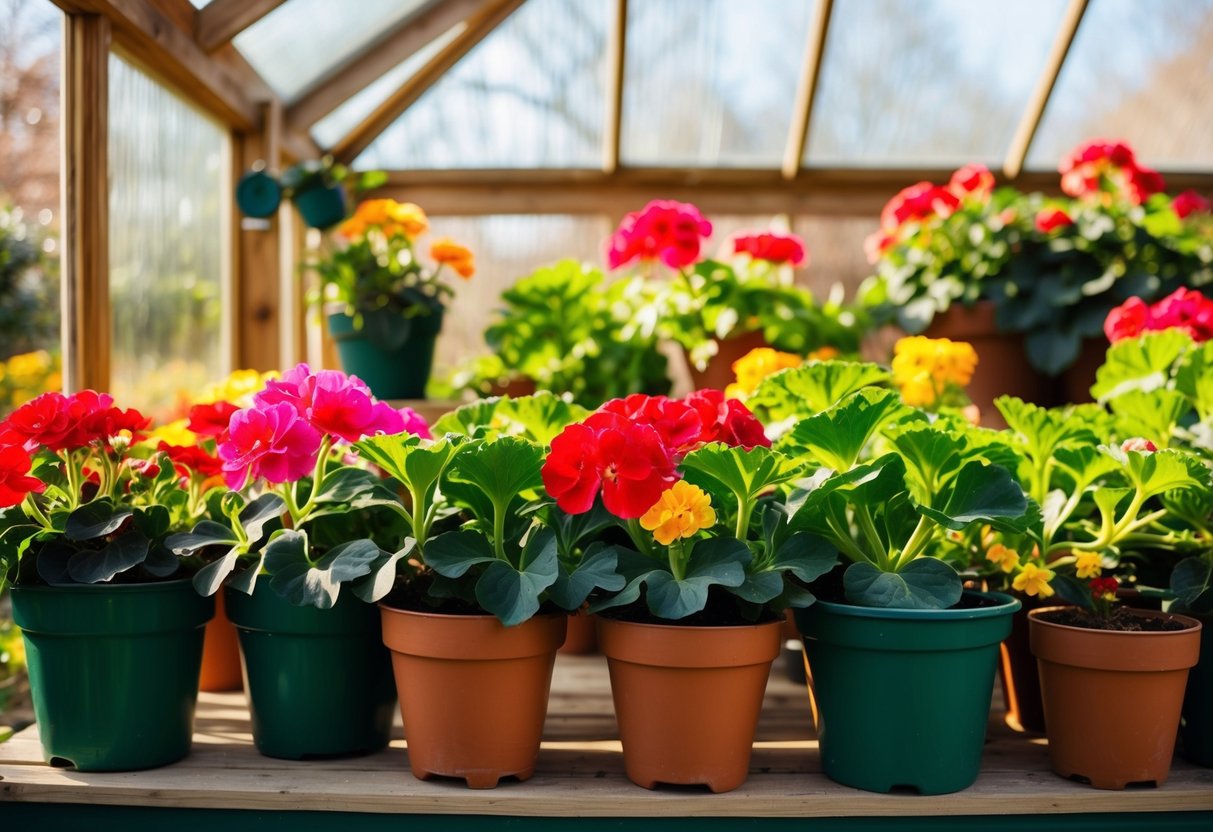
(867, 527)
(745, 509)
(32, 510)
(639, 537)
(677, 558)
(301, 515)
(499, 530)
(917, 542)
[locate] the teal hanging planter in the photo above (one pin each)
(321, 207)
(113, 670)
(399, 370)
(319, 682)
(902, 697)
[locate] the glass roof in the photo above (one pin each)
(1145, 78)
(301, 40)
(514, 101)
(711, 82)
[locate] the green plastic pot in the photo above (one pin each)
(321, 207)
(902, 697)
(319, 682)
(113, 670)
(1196, 722)
(402, 373)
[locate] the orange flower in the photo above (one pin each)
(450, 253)
(682, 511)
(410, 217)
(375, 211)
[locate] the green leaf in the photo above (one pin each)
(1156, 473)
(924, 584)
(540, 417)
(1192, 583)
(92, 566)
(513, 594)
(812, 388)
(451, 554)
(836, 437)
(716, 561)
(501, 469)
(209, 578)
(596, 570)
(301, 582)
(96, 519)
(806, 556)
(382, 576)
(1153, 415)
(981, 494)
(746, 473)
(1142, 364)
(206, 533)
(1194, 379)
(932, 456)
(472, 420)
(345, 485)
(259, 514)
(760, 587)
(52, 560)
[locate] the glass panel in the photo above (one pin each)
(169, 197)
(711, 83)
(939, 85)
(330, 129)
(30, 37)
(301, 40)
(529, 95)
(1141, 77)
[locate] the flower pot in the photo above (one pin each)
(1002, 359)
(687, 699)
(220, 653)
(902, 697)
(401, 373)
(473, 694)
(1018, 673)
(1196, 718)
(113, 670)
(581, 637)
(1112, 698)
(319, 682)
(321, 207)
(719, 372)
(1077, 380)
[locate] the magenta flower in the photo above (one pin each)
(415, 423)
(268, 441)
(333, 402)
(664, 229)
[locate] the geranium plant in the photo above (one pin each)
(372, 267)
(301, 510)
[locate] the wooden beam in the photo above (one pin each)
(480, 24)
(351, 76)
(616, 56)
(1030, 122)
(221, 20)
(155, 40)
(85, 211)
(806, 90)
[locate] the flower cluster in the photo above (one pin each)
(1187, 203)
(666, 230)
(926, 201)
(629, 449)
(772, 247)
(756, 365)
(1101, 170)
(682, 511)
(387, 217)
(26, 375)
(931, 372)
(1184, 309)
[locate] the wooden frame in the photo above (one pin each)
(612, 128)
(806, 91)
(221, 20)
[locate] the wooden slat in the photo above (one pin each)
(1030, 122)
(86, 297)
(394, 46)
(612, 128)
(806, 90)
(479, 25)
(155, 40)
(580, 773)
(221, 20)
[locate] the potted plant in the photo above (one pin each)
(480, 605)
(104, 605)
(315, 186)
(385, 307)
(302, 520)
(710, 566)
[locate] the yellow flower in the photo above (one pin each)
(237, 388)
(759, 363)
(1088, 564)
(28, 368)
(1006, 559)
(1034, 580)
(923, 368)
(410, 218)
(682, 511)
(174, 433)
(458, 257)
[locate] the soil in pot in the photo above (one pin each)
(1112, 697)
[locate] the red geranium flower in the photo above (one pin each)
(1101, 165)
(112, 421)
(972, 180)
(1188, 203)
(191, 458)
(1051, 219)
(1184, 309)
(727, 420)
(15, 463)
(677, 423)
(664, 229)
(1128, 320)
(210, 419)
(917, 202)
(62, 423)
(773, 248)
(877, 243)
(1104, 586)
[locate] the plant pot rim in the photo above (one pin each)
(1190, 622)
(442, 616)
(675, 625)
(1007, 605)
(142, 586)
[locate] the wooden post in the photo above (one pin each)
(256, 289)
(86, 301)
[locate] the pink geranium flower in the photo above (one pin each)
(271, 442)
(665, 230)
(972, 180)
(1190, 202)
(415, 423)
(332, 402)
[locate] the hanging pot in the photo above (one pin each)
(473, 694)
(687, 698)
(319, 682)
(113, 670)
(320, 206)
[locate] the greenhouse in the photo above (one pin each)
(564, 414)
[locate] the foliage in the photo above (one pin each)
(29, 320)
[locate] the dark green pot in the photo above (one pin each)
(321, 207)
(903, 696)
(113, 670)
(401, 373)
(319, 681)
(1196, 722)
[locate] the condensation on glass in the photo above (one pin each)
(169, 171)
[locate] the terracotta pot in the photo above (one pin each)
(687, 699)
(515, 388)
(473, 694)
(1002, 361)
(719, 372)
(582, 636)
(1018, 673)
(220, 653)
(1112, 699)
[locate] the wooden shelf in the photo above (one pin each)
(580, 773)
